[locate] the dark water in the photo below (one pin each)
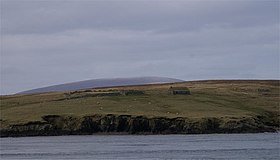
(211, 146)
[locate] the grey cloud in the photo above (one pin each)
(53, 42)
(55, 16)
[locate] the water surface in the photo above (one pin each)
(206, 146)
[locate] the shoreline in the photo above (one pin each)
(56, 125)
(118, 134)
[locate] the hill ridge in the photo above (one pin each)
(102, 82)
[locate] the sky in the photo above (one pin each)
(49, 42)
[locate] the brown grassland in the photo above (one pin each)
(213, 98)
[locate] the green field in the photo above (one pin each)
(220, 98)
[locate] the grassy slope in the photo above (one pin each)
(208, 99)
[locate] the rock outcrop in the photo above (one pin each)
(52, 125)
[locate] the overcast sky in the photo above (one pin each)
(52, 42)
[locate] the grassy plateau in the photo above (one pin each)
(213, 98)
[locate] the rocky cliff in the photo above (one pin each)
(126, 124)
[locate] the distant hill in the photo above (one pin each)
(213, 106)
(103, 83)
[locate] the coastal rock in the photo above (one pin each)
(108, 124)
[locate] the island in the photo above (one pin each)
(191, 107)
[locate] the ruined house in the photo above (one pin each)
(179, 90)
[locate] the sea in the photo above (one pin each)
(260, 146)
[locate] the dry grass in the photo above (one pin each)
(208, 99)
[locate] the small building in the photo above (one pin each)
(179, 90)
(132, 92)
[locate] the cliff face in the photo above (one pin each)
(127, 124)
